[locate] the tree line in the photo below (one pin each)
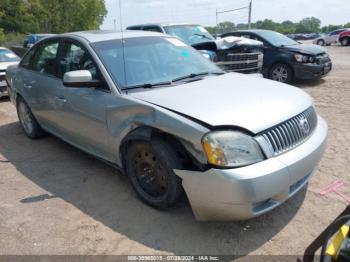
(50, 16)
(306, 25)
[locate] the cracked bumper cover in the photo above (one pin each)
(247, 192)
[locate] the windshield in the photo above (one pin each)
(8, 56)
(190, 34)
(277, 39)
(151, 60)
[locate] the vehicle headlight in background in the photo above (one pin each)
(231, 149)
(304, 58)
(210, 55)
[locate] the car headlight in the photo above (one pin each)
(231, 149)
(206, 56)
(301, 58)
(304, 58)
(312, 59)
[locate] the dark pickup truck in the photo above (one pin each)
(233, 54)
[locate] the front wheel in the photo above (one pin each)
(345, 41)
(28, 122)
(149, 166)
(321, 42)
(281, 73)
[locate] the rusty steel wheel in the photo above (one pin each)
(149, 166)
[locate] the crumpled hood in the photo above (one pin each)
(307, 49)
(232, 100)
(229, 43)
(232, 41)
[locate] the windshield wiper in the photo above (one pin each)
(190, 76)
(147, 85)
(170, 83)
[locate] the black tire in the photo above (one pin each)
(321, 42)
(345, 41)
(281, 73)
(149, 166)
(27, 120)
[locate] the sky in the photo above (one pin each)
(203, 11)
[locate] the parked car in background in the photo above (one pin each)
(286, 59)
(344, 38)
(33, 38)
(298, 37)
(7, 58)
(232, 54)
(330, 38)
(153, 106)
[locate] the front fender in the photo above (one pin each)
(130, 114)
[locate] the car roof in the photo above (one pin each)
(162, 24)
(250, 31)
(105, 35)
(41, 34)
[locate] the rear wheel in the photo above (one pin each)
(28, 122)
(321, 42)
(281, 73)
(149, 166)
(345, 41)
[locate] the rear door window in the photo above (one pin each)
(28, 58)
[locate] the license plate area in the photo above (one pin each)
(327, 67)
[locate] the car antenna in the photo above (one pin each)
(123, 46)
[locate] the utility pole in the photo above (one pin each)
(250, 14)
(233, 10)
(216, 23)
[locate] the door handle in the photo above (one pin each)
(61, 99)
(28, 86)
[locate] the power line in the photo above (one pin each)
(249, 7)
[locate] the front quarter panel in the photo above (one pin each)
(128, 114)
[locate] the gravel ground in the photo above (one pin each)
(55, 199)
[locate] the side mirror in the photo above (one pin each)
(79, 78)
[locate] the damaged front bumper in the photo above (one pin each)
(247, 192)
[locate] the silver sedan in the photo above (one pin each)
(171, 120)
(330, 38)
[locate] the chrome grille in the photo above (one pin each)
(239, 62)
(288, 134)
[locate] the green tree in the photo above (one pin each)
(51, 16)
(308, 25)
(267, 24)
(2, 35)
(287, 27)
(330, 28)
(12, 14)
(347, 25)
(72, 15)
